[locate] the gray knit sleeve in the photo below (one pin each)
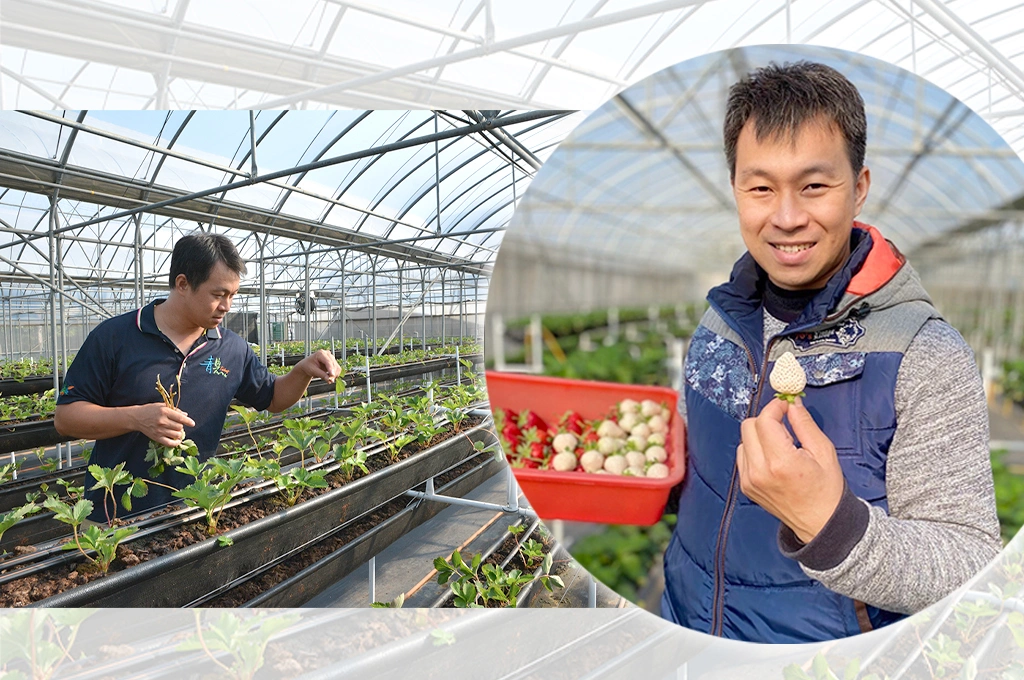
(942, 526)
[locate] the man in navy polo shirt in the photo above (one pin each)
(110, 394)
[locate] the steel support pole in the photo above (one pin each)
(442, 308)
(309, 309)
(138, 264)
(401, 325)
(344, 336)
(52, 243)
(373, 579)
(423, 308)
(264, 321)
(373, 304)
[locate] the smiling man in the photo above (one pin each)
(877, 499)
(110, 394)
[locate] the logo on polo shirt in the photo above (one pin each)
(845, 334)
(66, 389)
(212, 365)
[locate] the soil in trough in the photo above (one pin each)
(59, 578)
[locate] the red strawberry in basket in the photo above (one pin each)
(528, 419)
(511, 434)
(572, 422)
(534, 446)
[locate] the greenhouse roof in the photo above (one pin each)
(356, 189)
(314, 55)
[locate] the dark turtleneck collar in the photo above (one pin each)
(786, 305)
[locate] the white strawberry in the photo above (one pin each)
(788, 378)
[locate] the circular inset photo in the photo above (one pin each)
(751, 341)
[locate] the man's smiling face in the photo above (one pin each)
(797, 197)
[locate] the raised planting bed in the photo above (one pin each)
(185, 575)
(36, 384)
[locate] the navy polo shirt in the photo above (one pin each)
(118, 365)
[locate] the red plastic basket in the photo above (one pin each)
(580, 496)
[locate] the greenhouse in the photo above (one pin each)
(369, 235)
(375, 236)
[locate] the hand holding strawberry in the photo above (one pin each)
(799, 485)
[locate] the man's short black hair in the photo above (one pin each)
(780, 99)
(196, 255)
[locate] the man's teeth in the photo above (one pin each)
(793, 249)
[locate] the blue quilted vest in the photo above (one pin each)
(724, 572)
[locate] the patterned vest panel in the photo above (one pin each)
(725, 574)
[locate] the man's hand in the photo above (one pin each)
(165, 426)
(800, 486)
(288, 388)
(320, 364)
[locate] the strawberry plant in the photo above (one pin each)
(7, 471)
(292, 483)
(108, 478)
(352, 431)
(45, 464)
(40, 640)
(12, 517)
(248, 416)
(214, 481)
(103, 542)
(72, 491)
(243, 638)
(349, 463)
(162, 456)
(300, 434)
(480, 585)
(394, 435)
(211, 497)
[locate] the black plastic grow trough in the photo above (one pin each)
(32, 385)
(178, 578)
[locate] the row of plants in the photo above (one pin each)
(298, 347)
(41, 460)
(30, 407)
(331, 452)
(498, 580)
(637, 354)
(27, 407)
(30, 367)
(356, 362)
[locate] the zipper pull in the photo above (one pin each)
(861, 311)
